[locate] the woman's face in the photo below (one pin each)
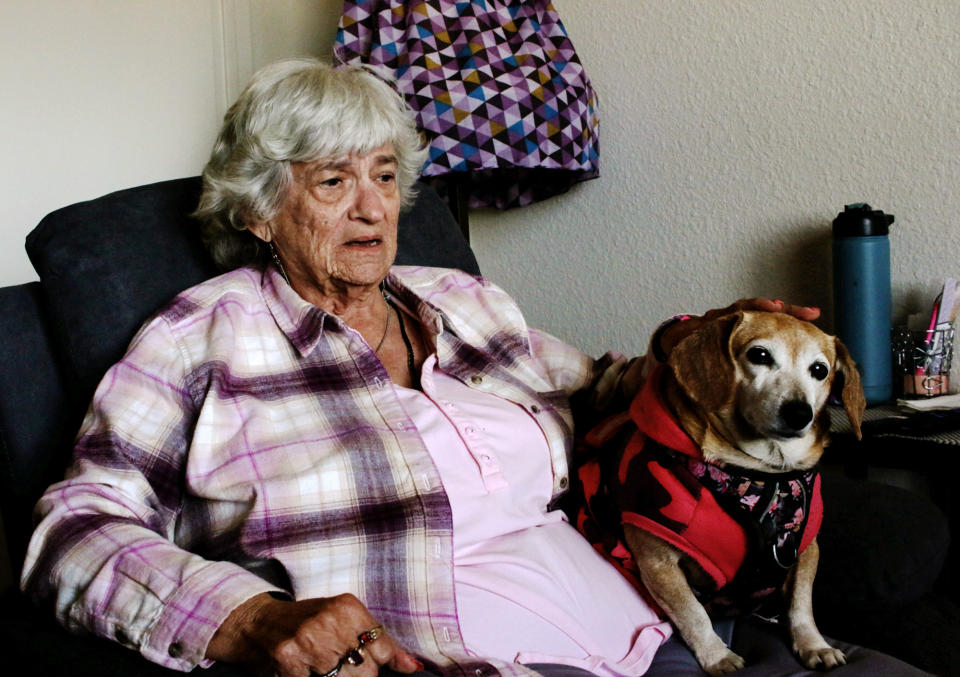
(337, 228)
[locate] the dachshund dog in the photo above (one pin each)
(710, 479)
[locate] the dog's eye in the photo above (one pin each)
(819, 370)
(760, 355)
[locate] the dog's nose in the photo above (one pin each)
(796, 414)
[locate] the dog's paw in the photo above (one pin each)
(723, 664)
(823, 658)
(813, 651)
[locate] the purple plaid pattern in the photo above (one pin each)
(496, 86)
(249, 442)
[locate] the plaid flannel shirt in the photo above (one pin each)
(250, 442)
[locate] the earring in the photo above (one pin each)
(276, 260)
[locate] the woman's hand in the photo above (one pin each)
(676, 332)
(307, 637)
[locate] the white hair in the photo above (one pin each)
(296, 110)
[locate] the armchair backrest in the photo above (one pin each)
(105, 266)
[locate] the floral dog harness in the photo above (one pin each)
(744, 528)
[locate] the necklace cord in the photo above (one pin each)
(406, 339)
(386, 327)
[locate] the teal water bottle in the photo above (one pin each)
(861, 292)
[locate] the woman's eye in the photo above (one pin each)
(760, 355)
(332, 182)
(819, 370)
(387, 177)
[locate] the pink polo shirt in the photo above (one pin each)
(529, 588)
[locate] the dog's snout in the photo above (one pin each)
(796, 414)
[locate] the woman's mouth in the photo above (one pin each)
(364, 242)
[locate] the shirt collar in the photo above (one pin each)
(304, 323)
(431, 317)
(300, 321)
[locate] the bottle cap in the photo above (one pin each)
(858, 220)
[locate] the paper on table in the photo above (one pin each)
(931, 403)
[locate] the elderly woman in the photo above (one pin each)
(320, 463)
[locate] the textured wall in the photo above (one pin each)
(732, 133)
(100, 95)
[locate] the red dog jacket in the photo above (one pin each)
(744, 528)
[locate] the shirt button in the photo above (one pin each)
(564, 482)
(535, 409)
(485, 458)
(175, 650)
(476, 379)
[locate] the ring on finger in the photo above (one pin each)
(371, 635)
(354, 656)
(332, 673)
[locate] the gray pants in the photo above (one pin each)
(763, 647)
(766, 651)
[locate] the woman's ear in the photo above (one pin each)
(261, 230)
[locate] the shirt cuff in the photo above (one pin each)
(180, 636)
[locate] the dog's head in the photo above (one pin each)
(759, 381)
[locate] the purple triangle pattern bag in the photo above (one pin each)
(497, 88)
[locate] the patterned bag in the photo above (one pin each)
(496, 86)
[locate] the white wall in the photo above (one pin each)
(99, 95)
(732, 132)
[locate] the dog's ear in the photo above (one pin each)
(703, 363)
(847, 387)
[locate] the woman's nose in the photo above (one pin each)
(368, 203)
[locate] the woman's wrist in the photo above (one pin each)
(231, 642)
